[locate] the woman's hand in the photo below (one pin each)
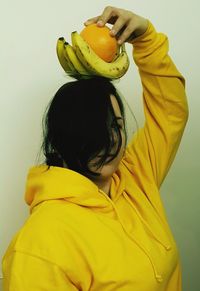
(127, 25)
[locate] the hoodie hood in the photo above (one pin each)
(61, 183)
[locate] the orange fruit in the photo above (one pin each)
(100, 40)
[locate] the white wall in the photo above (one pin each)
(30, 75)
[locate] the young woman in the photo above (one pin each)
(97, 220)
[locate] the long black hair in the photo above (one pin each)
(78, 124)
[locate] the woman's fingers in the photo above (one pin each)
(127, 25)
(91, 20)
(125, 35)
(117, 27)
(106, 16)
(109, 15)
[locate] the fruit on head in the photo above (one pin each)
(100, 40)
(94, 64)
(81, 61)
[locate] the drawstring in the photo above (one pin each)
(157, 276)
(167, 247)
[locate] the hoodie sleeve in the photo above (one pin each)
(23, 271)
(153, 147)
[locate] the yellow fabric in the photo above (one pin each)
(78, 238)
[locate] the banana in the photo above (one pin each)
(94, 64)
(117, 53)
(70, 54)
(60, 54)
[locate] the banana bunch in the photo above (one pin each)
(81, 62)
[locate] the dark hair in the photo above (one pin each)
(78, 124)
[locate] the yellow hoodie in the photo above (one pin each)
(77, 237)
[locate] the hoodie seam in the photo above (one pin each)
(40, 258)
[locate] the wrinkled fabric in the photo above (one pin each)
(79, 238)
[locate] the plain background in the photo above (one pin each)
(30, 76)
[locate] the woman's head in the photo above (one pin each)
(81, 129)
